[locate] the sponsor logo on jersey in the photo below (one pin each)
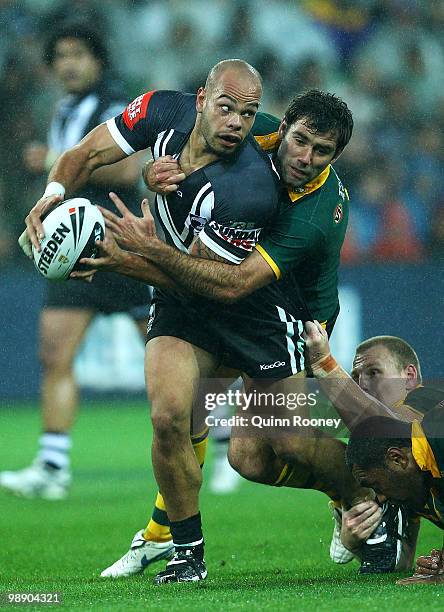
(338, 215)
(271, 366)
(197, 223)
(136, 110)
(245, 239)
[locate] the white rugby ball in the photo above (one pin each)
(71, 231)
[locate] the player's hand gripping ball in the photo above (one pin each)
(71, 231)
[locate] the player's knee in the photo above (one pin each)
(245, 464)
(54, 358)
(295, 448)
(170, 424)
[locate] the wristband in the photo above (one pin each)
(53, 188)
(325, 366)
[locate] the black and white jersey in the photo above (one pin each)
(74, 117)
(226, 203)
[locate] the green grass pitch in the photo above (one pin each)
(266, 548)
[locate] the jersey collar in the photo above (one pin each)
(422, 451)
(317, 182)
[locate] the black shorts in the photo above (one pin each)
(108, 293)
(264, 341)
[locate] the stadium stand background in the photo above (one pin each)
(385, 57)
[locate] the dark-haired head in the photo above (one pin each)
(322, 112)
(79, 31)
(381, 457)
(371, 439)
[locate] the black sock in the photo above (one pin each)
(187, 535)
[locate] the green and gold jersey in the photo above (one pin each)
(422, 399)
(303, 245)
(428, 452)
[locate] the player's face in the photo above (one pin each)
(379, 374)
(75, 65)
(227, 112)
(304, 154)
(400, 485)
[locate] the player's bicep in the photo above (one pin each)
(100, 148)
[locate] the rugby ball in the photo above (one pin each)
(71, 231)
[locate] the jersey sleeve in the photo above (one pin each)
(288, 244)
(133, 130)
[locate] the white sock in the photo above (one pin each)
(54, 449)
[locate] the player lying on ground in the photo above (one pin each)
(405, 463)
(388, 369)
(421, 408)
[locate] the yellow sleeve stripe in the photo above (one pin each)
(422, 451)
(273, 265)
(268, 142)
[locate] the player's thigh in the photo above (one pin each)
(61, 330)
(173, 369)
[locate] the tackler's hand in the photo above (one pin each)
(163, 175)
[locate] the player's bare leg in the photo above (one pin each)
(61, 332)
(173, 369)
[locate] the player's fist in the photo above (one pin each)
(163, 175)
(316, 341)
(430, 564)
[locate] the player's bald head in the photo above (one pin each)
(236, 69)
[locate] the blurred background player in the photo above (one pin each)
(79, 60)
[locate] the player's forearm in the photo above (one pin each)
(212, 279)
(351, 402)
(137, 267)
(73, 169)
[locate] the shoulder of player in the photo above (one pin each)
(327, 205)
(265, 131)
(247, 182)
(424, 398)
(317, 207)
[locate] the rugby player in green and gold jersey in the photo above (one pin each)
(385, 380)
(405, 463)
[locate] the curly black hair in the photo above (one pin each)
(370, 440)
(81, 31)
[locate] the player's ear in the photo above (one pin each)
(412, 377)
(200, 99)
(282, 129)
(397, 458)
